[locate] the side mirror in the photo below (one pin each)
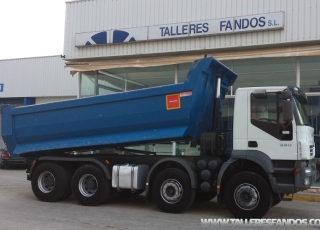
(286, 94)
(260, 94)
(287, 111)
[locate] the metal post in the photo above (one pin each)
(79, 84)
(216, 108)
(96, 86)
(174, 148)
(298, 72)
(176, 72)
(125, 81)
(231, 67)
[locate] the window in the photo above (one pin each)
(264, 72)
(310, 74)
(110, 81)
(183, 70)
(265, 109)
(17, 101)
(267, 115)
(87, 84)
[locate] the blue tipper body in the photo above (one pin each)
(120, 119)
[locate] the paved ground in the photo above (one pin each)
(19, 209)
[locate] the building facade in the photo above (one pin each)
(122, 45)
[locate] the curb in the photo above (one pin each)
(310, 198)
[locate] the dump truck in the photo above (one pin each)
(169, 142)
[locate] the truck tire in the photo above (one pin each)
(277, 197)
(51, 182)
(248, 195)
(172, 192)
(90, 186)
(205, 196)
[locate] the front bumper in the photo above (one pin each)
(299, 178)
(306, 177)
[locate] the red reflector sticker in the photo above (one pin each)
(173, 101)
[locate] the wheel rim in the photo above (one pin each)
(88, 185)
(246, 196)
(171, 191)
(46, 182)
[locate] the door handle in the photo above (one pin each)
(253, 144)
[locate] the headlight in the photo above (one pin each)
(308, 171)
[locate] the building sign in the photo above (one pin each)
(1, 87)
(270, 21)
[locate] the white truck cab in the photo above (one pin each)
(271, 128)
(273, 150)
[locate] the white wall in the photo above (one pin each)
(37, 77)
(301, 24)
(43, 100)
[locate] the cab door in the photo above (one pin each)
(267, 132)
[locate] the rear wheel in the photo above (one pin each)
(90, 186)
(51, 182)
(248, 195)
(172, 192)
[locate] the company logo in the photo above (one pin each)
(129, 35)
(92, 38)
(122, 36)
(97, 39)
(112, 36)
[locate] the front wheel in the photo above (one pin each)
(172, 192)
(248, 195)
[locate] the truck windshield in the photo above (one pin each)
(301, 112)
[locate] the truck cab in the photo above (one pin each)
(273, 140)
(262, 125)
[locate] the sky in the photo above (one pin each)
(31, 28)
